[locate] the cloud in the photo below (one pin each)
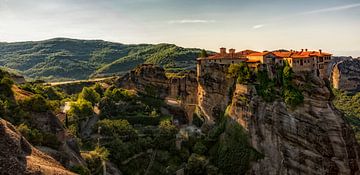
(332, 9)
(258, 26)
(324, 10)
(190, 21)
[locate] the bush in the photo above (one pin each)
(80, 170)
(80, 109)
(197, 121)
(36, 103)
(196, 164)
(266, 86)
(199, 148)
(293, 96)
(37, 137)
(242, 72)
(5, 87)
(116, 128)
(90, 95)
(119, 94)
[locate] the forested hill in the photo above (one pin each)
(64, 59)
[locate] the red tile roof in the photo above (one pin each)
(259, 53)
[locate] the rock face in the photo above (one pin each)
(311, 139)
(214, 88)
(346, 75)
(152, 80)
(18, 156)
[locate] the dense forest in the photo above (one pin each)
(68, 59)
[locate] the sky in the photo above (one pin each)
(330, 25)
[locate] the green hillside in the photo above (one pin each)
(67, 59)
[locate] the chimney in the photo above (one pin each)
(306, 50)
(232, 51)
(320, 50)
(222, 51)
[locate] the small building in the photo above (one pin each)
(262, 57)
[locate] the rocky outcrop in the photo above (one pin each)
(346, 75)
(18, 156)
(214, 91)
(152, 80)
(311, 139)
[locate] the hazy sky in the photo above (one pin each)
(333, 25)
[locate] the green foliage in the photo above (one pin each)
(266, 86)
(89, 94)
(350, 106)
(115, 128)
(99, 89)
(79, 169)
(196, 164)
(292, 96)
(234, 152)
(94, 159)
(37, 137)
(165, 138)
(242, 72)
(63, 58)
(197, 121)
(36, 103)
(118, 94)
(203, 53)
(199, 148)
(5, 87)
(80, 109)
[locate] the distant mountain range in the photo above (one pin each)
(66, 59)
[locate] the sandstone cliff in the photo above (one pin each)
(312, 138)
(152, 80)
(345, 75)
(18, 156)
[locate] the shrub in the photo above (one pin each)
(196, 164)
(90, 95)
(5, 87)
(116, 127)
(34, 136)
(99, 89)
(199, 148)
(37, 137)
(81, 108)
(197, 121)
(242, 72)
(36, 103)
(119, 94)
(79, 169)
(266, 86)
(293, 96)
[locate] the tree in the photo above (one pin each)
(90, 95)
(196, 164)
(80, 108)
(241, 71)
(199, 148)
(35, 103)
(203, 54)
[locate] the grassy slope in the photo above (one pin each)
(63, 58)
